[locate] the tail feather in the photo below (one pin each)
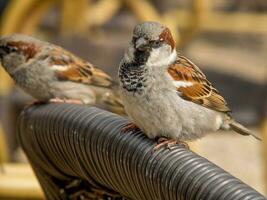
(239, 128)
(113, 103)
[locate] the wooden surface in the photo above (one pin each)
(17, 181)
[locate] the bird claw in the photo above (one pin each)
(129, 127)
(162, 141)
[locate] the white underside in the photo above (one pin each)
(167, 114)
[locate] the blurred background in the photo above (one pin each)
(226, 39)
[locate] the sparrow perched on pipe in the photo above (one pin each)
(165, 94)
(49, 73)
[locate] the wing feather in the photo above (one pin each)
(196, 87)
(69, 67)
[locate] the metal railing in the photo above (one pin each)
(75, 148)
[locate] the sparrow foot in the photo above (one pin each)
(129, 127)
(58, 100)
(163, 141)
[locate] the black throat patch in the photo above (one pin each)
(132, 74)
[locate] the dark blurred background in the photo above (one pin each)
(226, 39)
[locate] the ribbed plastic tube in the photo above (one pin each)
(70, 142)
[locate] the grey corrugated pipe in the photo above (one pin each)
(75, 148)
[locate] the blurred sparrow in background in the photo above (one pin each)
(165, 94)
(49, 73)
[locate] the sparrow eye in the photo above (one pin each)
(156, 43)
(8, 49)
(13, 49)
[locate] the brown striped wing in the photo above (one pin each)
(192, 85)
(70, 67)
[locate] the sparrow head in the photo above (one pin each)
(154, 41)
(16, 50)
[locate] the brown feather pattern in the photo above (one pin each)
(201, 91)
(78, 70)
(28, 49)
(167, 37)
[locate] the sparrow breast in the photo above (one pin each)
(133, 75)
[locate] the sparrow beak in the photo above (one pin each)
(141, 44)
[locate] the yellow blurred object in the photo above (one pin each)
(37, 14)
(3, 149)
(252, 23)
(78, 16)
(143, 10)
(19, 182)
(15, 14)
(6, 82)
(102, 11)
(194, 19)
(74, 16)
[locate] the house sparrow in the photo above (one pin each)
(49, 73)
(165, 94)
